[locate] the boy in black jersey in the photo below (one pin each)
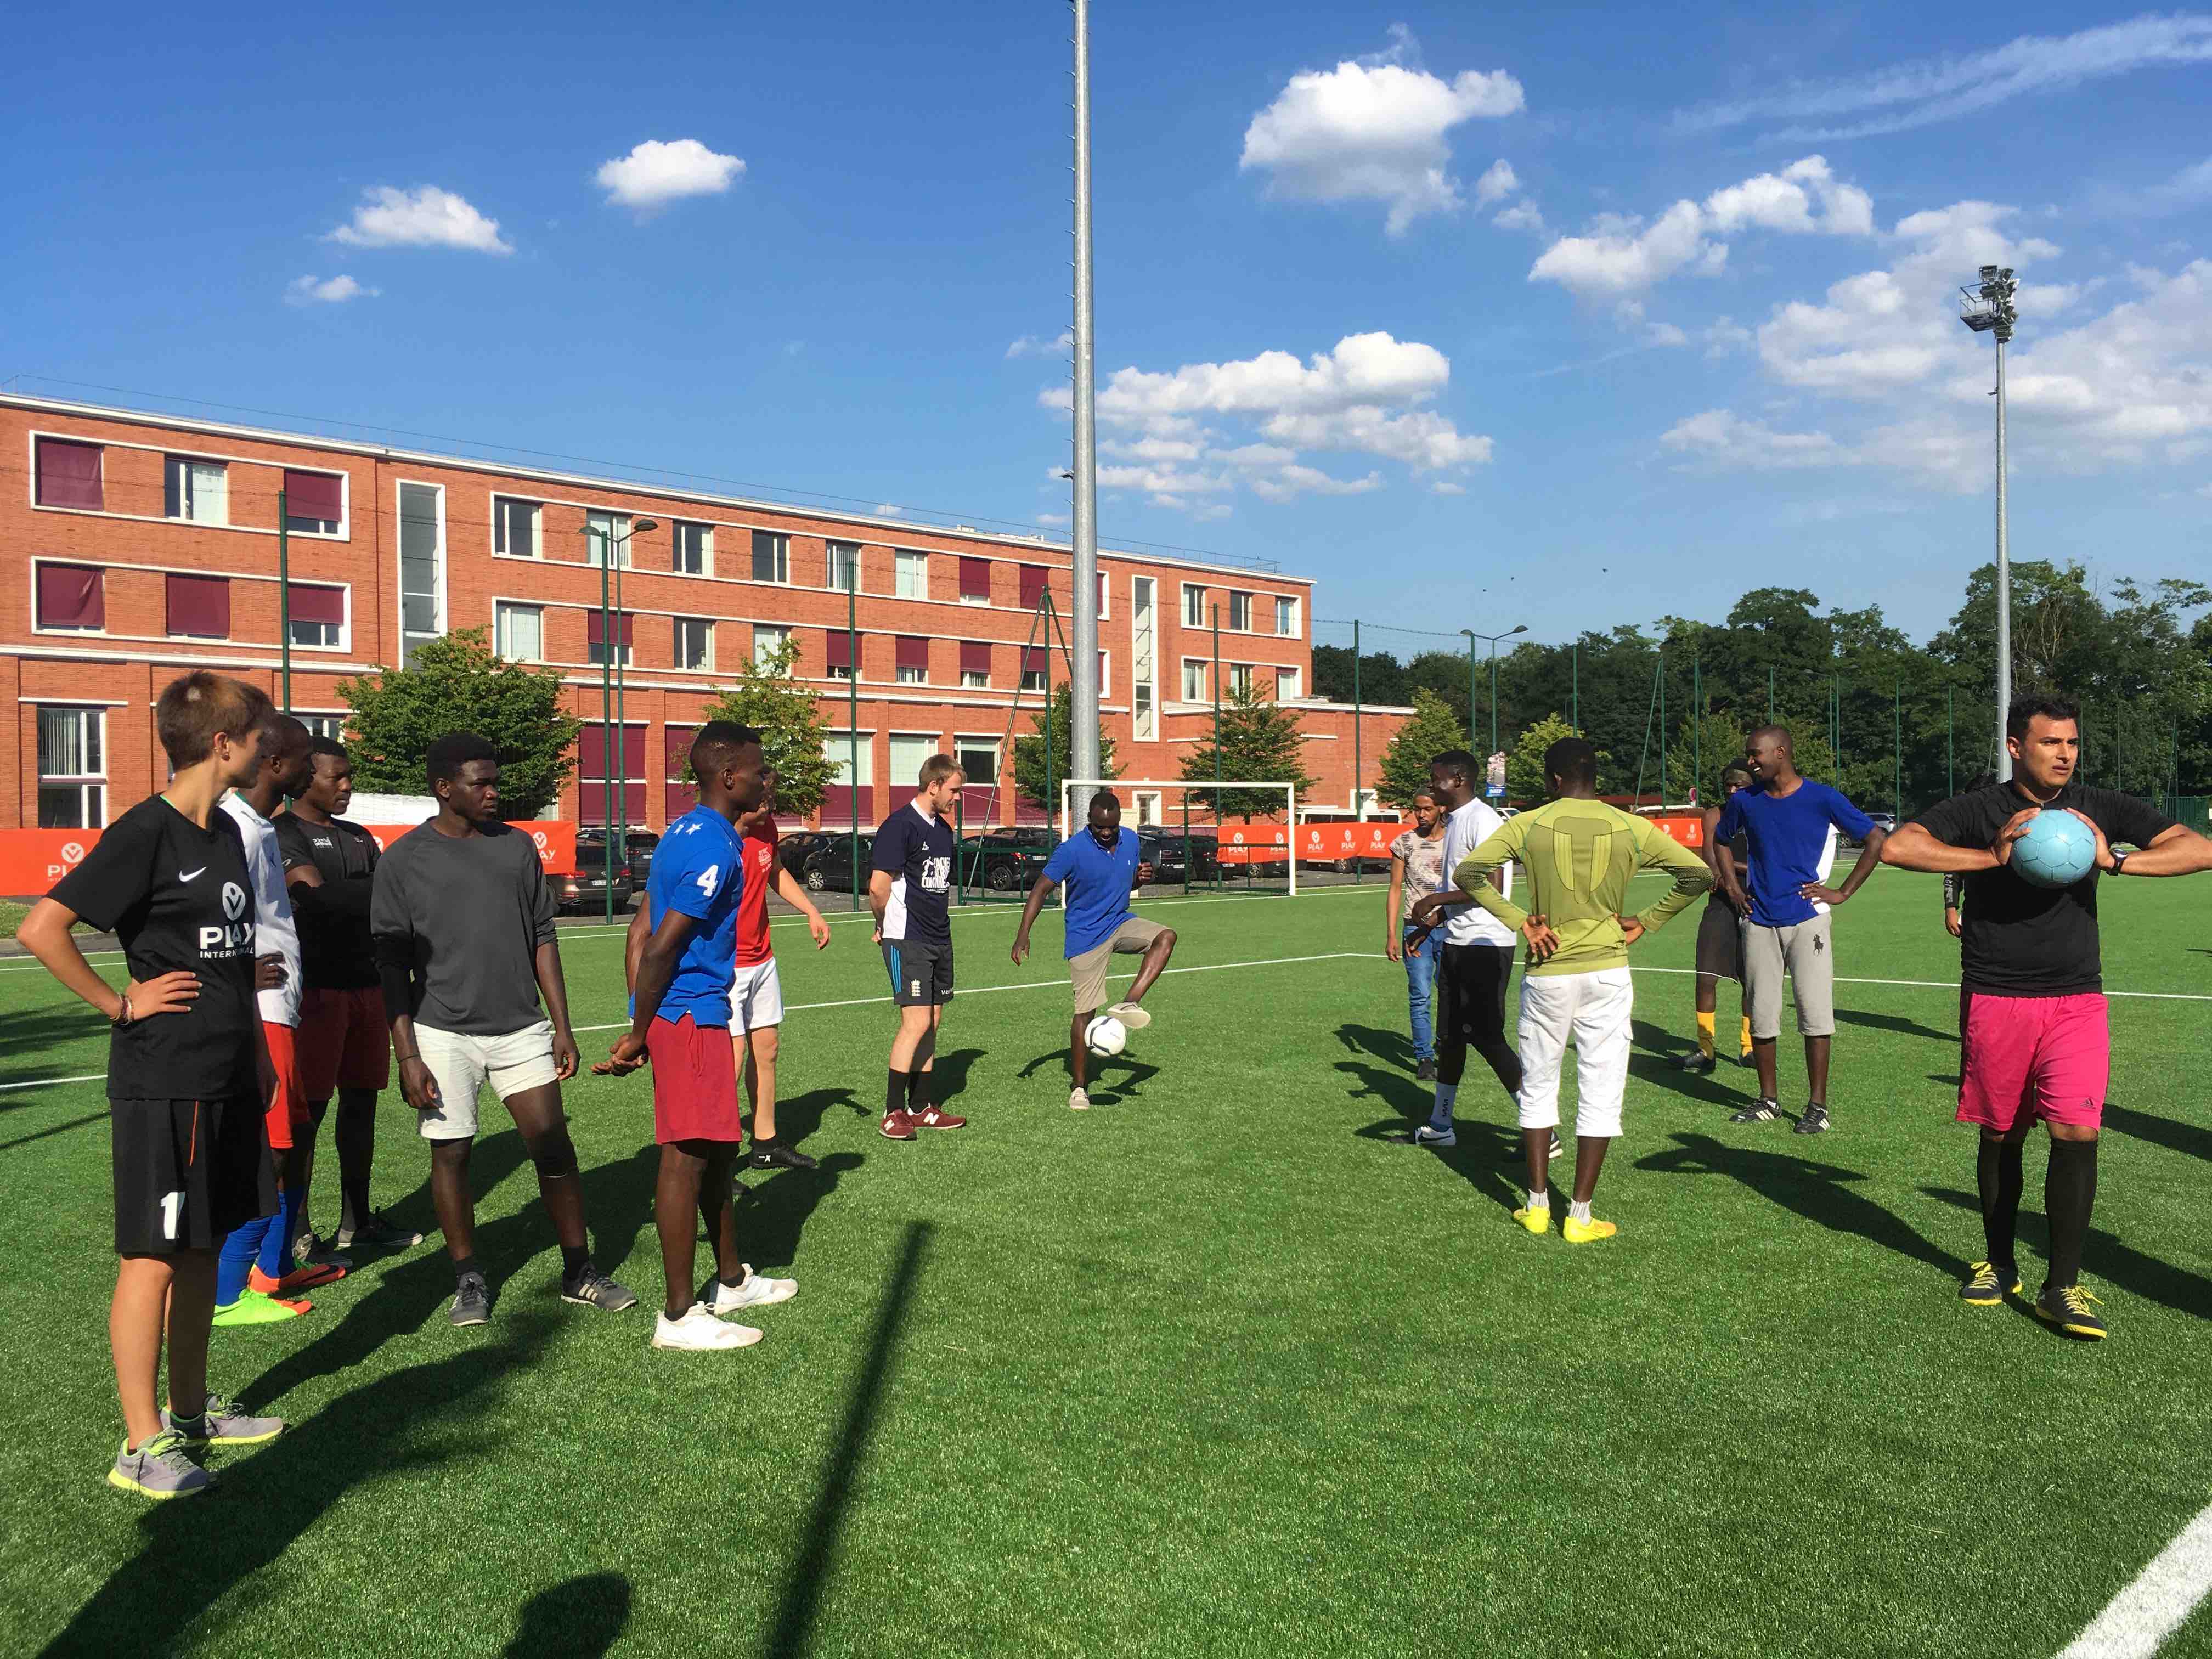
(185, 1069)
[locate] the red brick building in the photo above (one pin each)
(142, 544)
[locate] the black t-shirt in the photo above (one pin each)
(177, 896)
(916, 852)
(335, 953)
(2018, 939)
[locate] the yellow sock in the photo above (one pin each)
(1705, 1035)
(1747, 1036)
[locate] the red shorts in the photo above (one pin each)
(345, 1042)
(287, 1105)
(2049, 1057)
(694, 1082)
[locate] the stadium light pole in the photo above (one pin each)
(1472, 636)
(1082, 689)
(612, 548)
(1988, 307)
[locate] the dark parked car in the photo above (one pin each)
(828, 867)
(1005, 860)
(792, 850)
(640, 843)
(1175, 858)
(584, 888)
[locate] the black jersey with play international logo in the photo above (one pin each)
(177, 896)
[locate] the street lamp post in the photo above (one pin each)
(1988, 308)
(1493, 639)
(614, 733)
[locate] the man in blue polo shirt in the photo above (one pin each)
(1099, 865)
(1789, 822)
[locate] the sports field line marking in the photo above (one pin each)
(2163, 1595)
(49, 1082)
(1952, 985)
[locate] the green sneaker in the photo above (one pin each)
(158, 1469)
(256, 1308)
(222, 1424)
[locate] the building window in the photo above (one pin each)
(1239, 679)
(838, 748)
(1289, 685)
(975, 581)
(910, 574)
(979, 760)
(199, 606)
(837, 662)
(1142, 656)
(603, 531)
(324, 726)
(1034, 579)
(198, 492)
(422, 567)
(517, 528)
(1194, 606)
(1033, 667)
(767, 642)
(695, 549)
(1105, 675)
(318, 617)
(974, 664)
(519, 632)
(314, 503)
(1148, 806)
(845, 566)
(771, 557)
(72, 768)
(1193, 682)
(69, 474)
(695, 642)
(1240, 612)
(1286, 618)
(597, 625)
(72, 595)
(909, 750)
(912, 662)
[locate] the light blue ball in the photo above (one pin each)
(2058, 850)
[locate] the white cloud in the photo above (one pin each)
(1360, 368)
(1522, 215)
(1724, 336)
(1422, 439)
(1620, 261)
(1918, 93)
(1373, 132)
(1664, 334)
(1496, 184)
(1030, 346)
(330, 290)
(1285, 483)
(1446, 487)
(1052, 520)
(657, 171)
(1721, 436)
(426, 216)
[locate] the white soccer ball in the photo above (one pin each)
(1106, 1035)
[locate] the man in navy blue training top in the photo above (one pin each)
(1100, 867)
(909, 889)
(1791, 824)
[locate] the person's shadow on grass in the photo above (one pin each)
(1656, 1060)
(2132, 1270)
(1818, 1192)
(802, 1114)
(1895, 1023)
(1392, 1048)
(2176, 1137)
(1129, 1083)
(779, 1209)
(579, 1617)
(948, 1076)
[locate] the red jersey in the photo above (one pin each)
(752, 904)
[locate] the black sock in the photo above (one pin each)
(1997, 1172)
(574, 1258)
(895, 1092)
(466, 1265)
(917, 1090)
(2069, 1192)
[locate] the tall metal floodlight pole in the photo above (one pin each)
(1491, 640)
(1988, 308)
(1083, 672)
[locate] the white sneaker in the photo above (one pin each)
(1428, 1136)
(758, 1291)
(1077, 1100)
(699, 1330)
(1130, 1014)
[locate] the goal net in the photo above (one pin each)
(1230, 837)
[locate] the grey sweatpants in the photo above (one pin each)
(1802, 951)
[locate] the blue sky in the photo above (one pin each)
(1575, 319)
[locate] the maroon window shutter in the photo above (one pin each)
(976, 657)
(632, 751)
(595, 627)
(975, 579)
(71, 596)
(319, 604)
(1033, 582)
(624, 621)
(913, 651)
(1033, 659)
(680, 793)
(841, 648)
(592, 752)
(313, 495)
(200, 606)
(69, 474)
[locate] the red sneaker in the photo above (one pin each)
(300, 1278)
(936, 1118)
(898, 1125)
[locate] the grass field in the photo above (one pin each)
(1219, 1367)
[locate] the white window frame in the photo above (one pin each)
(617, 534)
(1288, 604)
(1144, 711)
(344, 640)
(838, 750)
(91, 786)
(503, 627)
(343, 529)
(1297, 679)
(322, 725)
(187, 496)
(908, 742)
(625, 655)
(1042, 676)
(962, 746)
(781, 637)
(1240, 677)
(1105, 675)
(678, 626)
(443, 617)
(830, 551)
(706, 531)
(1201, 666)
(902, 675)
(536, 548)
(1189, 590)
(1236, 596)
(782, 576)
(910, 573)
(168, 632)
(1149, 804)
(973, 680)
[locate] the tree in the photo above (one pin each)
(1382, 676)
(1029, 777)
(789, 720)
(1260, 743)
(1434, 728)
(457, 684)
(1524, 762)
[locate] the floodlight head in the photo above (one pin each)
(1988, 307)
(1988, 273)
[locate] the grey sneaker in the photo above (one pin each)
(222, 1424)
(593, 1289)
(1429, 1135)
(472, 1302)
(379, 1232)
(1425, 1071)
(309, 1251)
(158, 1469)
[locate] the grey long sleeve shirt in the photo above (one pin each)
(458, 919)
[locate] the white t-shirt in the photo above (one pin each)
(1467, 828)
(274, 930)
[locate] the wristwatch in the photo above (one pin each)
(2119, 862)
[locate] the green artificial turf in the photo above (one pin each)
(1218, 1367)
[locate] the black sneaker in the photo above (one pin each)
(774, 1155)
(472, 1302)
(1759, 1111)
(2070, 1308)
(1697, 1065)
(1987, 1283)
(1425, 1071)
(1815, 1122)
(593, 1289)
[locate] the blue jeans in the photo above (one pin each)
(1421, 987)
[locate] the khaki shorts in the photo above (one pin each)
(1804, 952)
(1087, 971)
(463, 1063)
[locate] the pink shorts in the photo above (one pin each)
(694, 1082)
(2048, 1057)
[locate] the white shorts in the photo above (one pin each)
(463, 1063)
(1595, 1009)
(755, 997)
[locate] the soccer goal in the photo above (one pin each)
(1227, 837)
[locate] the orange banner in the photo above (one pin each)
(33, 860)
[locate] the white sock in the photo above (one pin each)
(1446, 1094)
(1579, 1211)
(1541, 1200)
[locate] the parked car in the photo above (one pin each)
(792, 850)
(584, 888)
(828, 867)
(640, 843)
(1005, 860)
(1176, 858)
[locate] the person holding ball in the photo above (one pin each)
(2037, 1043)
